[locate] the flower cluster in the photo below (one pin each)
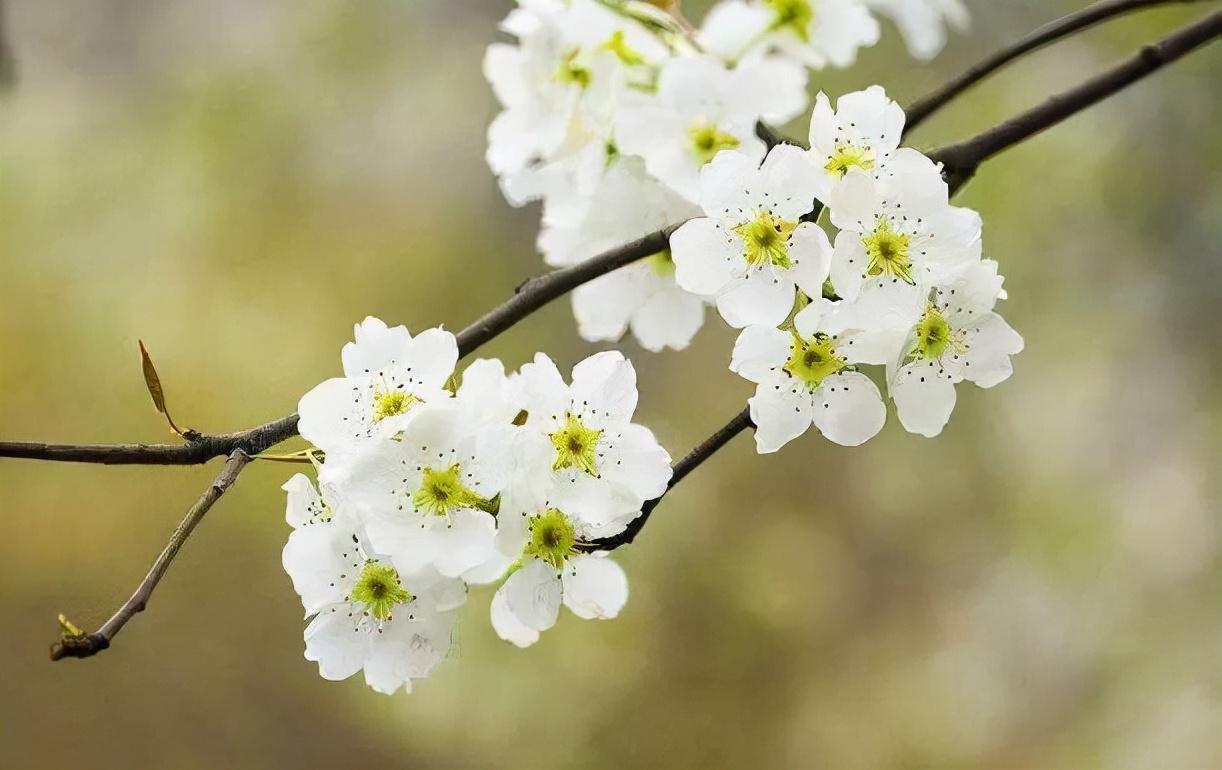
(431, 481)
(622, 122)
(613, 107)
(904, 285)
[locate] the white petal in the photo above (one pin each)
(991, 342)
(331, 642)
(763, 296)
(376, 347)
(304, 505)
(312, 558)
(759, 353)
(849, 262)
(507, 625)
(791, 181)
(539, 388)
(811, 253)
(707, 258)
(727, 186)
(594, 587)
(604, 389)
(924, 397)
(669, 319)
(849, 409)
(636, 461)
(466, 541)
(604, 306)
(431, 360)
(532, 595)
(781, 413)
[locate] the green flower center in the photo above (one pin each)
(379, 589)
(617, 45)
(887, 252)
(552, 538)
(766, 240)
(575, 445)
(813, 360)
(441, 492)
(391, 403)
(795, 16)
(848, 157)
(571, 72)
(707, 141)
(934, 336)
(662, 263)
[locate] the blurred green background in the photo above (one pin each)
(238, 182)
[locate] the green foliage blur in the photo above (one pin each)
(238, 182)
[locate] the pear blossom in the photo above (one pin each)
(580, 438)
(365, 613)
(559, 87)
(815, 32)
(859, 136)
(751, 251)
(642, 296)
(900, 226)
(553, 570)
(702, 107)
(923, 23)
(805, 376)
(957, 338)
(388, 374)
(427, 496)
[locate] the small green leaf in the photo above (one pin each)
(68, 629)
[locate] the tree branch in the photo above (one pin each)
(969, 154)
(529, 297)
(922, 108)
(961, 160)
(86, 645)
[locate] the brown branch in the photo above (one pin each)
(922, 108)
(971, 153)
(961, 160)
(86, 645)
(529, 297)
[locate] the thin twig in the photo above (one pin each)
(922, 108)
(86, 645)
(961, 160)
(1022, 127)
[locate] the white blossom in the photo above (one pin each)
(859, 136)
(815, 32)
(958, 337)
(805, 376)
(751, 250)
(366, 614)
(553, 570)
(642, 296)
(702, 107)
(388, 374)
(427, 496)
(581, 439)
(560, 87)
(900, 226)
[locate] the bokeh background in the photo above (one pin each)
(237, 182)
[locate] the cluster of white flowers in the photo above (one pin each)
(612, 108)
(432, 481)
(622, 122)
